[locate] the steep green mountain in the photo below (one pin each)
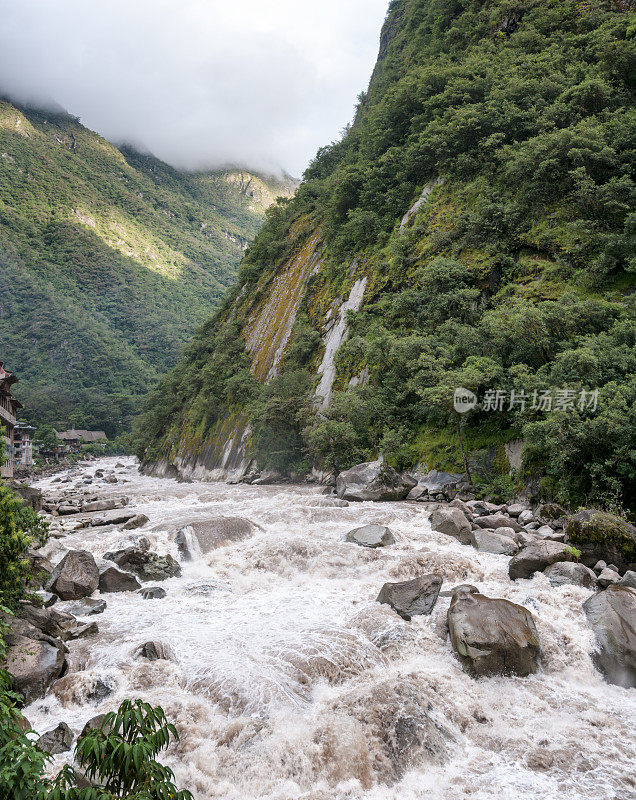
(473, 228)
(109, 260)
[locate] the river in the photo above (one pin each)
(289, 681)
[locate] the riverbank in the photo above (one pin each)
(286, 679)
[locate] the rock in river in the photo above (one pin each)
(599, 535)
(146, 565)
(76, 576)
(112, 579)
(452, 522)
(564, 572)
(411, 598)
(612, 616)
(373, 480)
(536, 557)
(371, 536)
(58, 740)
(492, 636)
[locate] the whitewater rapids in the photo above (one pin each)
(290, 682)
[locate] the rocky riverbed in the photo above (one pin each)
(307, 646)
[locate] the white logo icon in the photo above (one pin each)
(464, 400)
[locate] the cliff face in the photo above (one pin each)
(470, 229)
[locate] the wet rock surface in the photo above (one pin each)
(612, 616)
(371, 536)
(373, 480)
(412, 598)
(76, 576)
(492, 636)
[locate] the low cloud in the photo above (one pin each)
(199, 83)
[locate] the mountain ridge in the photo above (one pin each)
(110, 259)
(516, 274)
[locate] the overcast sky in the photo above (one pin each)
(261, 83)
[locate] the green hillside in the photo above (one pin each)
(109, 260)
(515, 273)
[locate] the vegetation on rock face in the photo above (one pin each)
(109, 260)
(517, 273)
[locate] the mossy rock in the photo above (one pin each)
(599, 535)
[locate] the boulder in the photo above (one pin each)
(435, 483)
(465, 509)
(218, 531)
(628, 579)
(492, 542)
(525, 517)
(87, 607)
(482, 507)
(536, 557)
(371, 536)
(83, 631)
(33, 661)
(152, 593)
(112, 579)
(564, 572)
(492, 636)
(156, 651)
(99, 505)
(544, 531)
(463, 587)
(412, 598)
(599, 535)
(58, 740)
(138, 521)
(452, 522)
(75, 576)
(373, 480)
(94, 724)
(495, 521)
(50, 620)
(146, 565)
(514, 509)
(611, 615)
(608, 577)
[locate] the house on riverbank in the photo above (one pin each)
(73, 440)
(9, 406)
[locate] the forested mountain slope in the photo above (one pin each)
(512, 125)
(109, 260)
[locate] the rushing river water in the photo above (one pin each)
(289, 681)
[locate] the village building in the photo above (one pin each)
(23, 444)
(9, 406)
(73, 440)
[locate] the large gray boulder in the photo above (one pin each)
(435, 483)
(58, 740)
(112, 579)
(373, 480)
(452, 522)
(138, 521)
(76, 576)
(612, 616)
(412, 598)
(492, 542)
(50, 621)
(34, 659)
(492, 636)
(495, 521)
(146, 565)
(371, 536)
(602, 536)
(536, 557)
(567, 572)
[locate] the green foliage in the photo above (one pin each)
(119, 758)
(516, 273)
(20, 529)
(109, 260)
